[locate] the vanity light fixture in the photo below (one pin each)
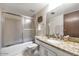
(39, 27)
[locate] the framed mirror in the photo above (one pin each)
(56, 21)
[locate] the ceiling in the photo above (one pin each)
(11, 17)
(63, 9)
(27, 9)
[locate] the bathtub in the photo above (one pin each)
(16, 50)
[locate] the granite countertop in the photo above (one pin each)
(71, 47)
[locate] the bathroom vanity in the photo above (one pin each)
(50, 47)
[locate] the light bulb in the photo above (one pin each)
(27, 21)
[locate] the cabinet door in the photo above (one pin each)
(51, 53)
(43, 51)
(46, 52)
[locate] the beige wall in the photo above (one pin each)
(0, 29)
(42, 13)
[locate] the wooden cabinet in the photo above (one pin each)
(48, 50)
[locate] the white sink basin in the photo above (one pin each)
(54, 41)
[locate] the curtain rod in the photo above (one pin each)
(12, 14)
